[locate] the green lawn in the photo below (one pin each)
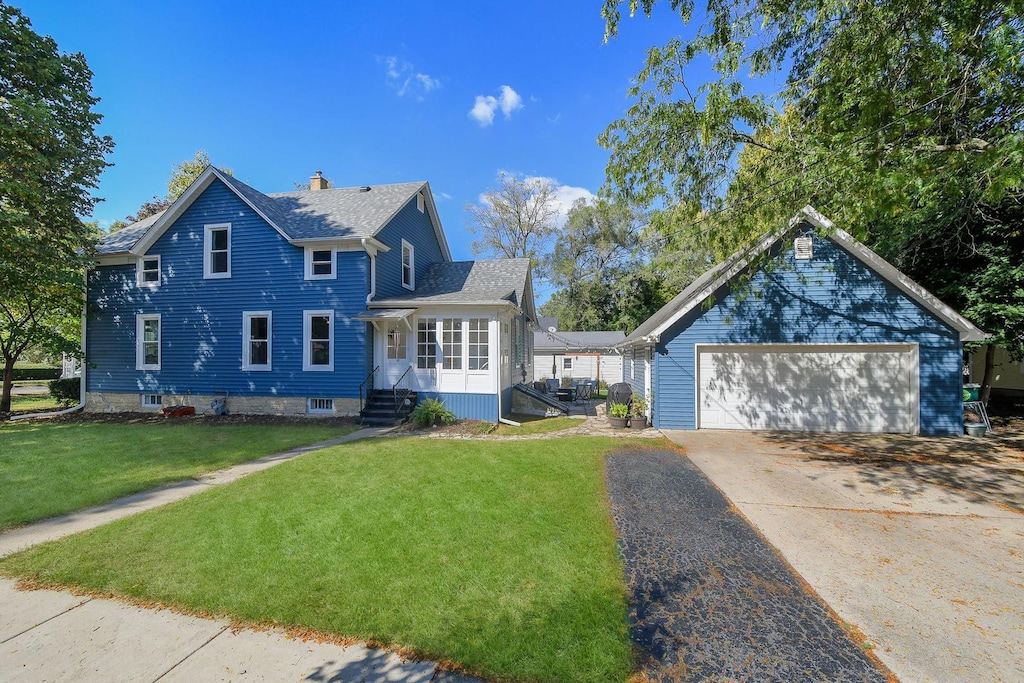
(48, 469)
(497, 555)
(33, 403)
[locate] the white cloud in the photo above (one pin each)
(483, 110)
(485, 106)
(565, 195)
(401, 76)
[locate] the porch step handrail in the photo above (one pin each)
(405, 392)
(365, 388)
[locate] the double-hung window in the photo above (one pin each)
(320, 264)
(408, 265)
(147, 341)
(426, 343)
(479, 349)
(451, 343)
(217, 251)
(148, 271)
(318, 340)
(256, 351)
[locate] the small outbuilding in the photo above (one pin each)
(807, 330)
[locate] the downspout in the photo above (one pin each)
(81, 388)
(373, 272)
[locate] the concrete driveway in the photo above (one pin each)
(917, 542)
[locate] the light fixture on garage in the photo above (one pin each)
(803, 248)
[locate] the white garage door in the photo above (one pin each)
(796, 387)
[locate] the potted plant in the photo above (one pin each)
(618, 415)
(638, 412)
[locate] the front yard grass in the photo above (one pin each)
(536, 424)
(497, 555)
(33, 403)
(49, 469)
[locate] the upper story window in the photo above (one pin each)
(421, 201)
(320, 264)
(408, 265)
(318, 338)
(217, 251)
(256, 353)
(148, 271)
(147, 341)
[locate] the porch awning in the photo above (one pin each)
(385, 315)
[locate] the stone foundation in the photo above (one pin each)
(108, 402)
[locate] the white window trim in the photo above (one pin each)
(306, 341)
(157, 401)
(207, 244)
(568, 363)
(140, 354)
(247, 316)
(411, 285)
(333, 275)
(320, 411)
(421, 201)
(139, 271)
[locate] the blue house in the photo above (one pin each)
(807, 330)
(301, 303)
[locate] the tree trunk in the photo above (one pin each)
(986, 378)
(5, 397)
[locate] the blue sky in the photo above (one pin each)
(370, 93)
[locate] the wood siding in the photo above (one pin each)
(415, 227)
(201, 331)
(833, 298)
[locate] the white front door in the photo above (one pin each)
(396, 357)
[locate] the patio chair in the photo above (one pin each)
(584, 392)
(553, 385)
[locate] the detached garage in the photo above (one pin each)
(823, 336)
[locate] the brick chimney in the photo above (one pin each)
(318, 182)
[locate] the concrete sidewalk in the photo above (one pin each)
(56, 636)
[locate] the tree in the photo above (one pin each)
(182, 175)
(50, 159)
(516, 219)
(903, 121)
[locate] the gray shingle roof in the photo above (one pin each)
(336, 213)
(468, 282)
(126, 238)
(576, 341)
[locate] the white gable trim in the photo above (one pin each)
(435, 220)
(185, 200)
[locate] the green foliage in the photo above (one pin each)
(637, 406)
(35, 372)
(430, 412)
(903, 122)
(182, 175)
(50, 160)
(66, 391)
(619, 410)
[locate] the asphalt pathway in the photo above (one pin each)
(709, 597)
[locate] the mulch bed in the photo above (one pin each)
(709, 597)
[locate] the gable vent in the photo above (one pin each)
(803, 248)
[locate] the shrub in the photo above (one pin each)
(637, 406)
(66, 391)
(36, 373)
(619, 410)
(429, 412)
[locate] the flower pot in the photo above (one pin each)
(618, 422)
(976, 429)
(638, 422)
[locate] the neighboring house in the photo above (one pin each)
(576, 355)
(285, 303)
(1007, 375)
(826, 337)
